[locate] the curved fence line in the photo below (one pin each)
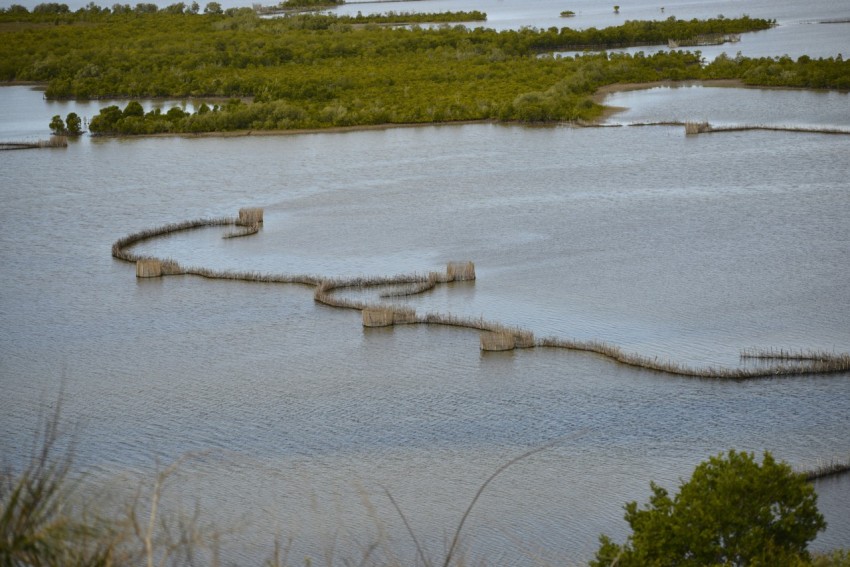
(120, 246)
(495, 336)
(827, 469)
(693, 128)
(800, 129)
(53, 142)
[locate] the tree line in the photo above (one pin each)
(321, 70)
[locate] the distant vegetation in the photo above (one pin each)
(392, 17)
(71, 126)
(732, 511)
(321, 70)
(310, 3)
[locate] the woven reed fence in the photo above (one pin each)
(494, 336)
(692, 128)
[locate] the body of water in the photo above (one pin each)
(290, 419)
(292, 415)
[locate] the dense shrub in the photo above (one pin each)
(732, 511)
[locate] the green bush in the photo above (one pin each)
(837, 558)
(733, 511)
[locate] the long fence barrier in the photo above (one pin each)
(494, 336)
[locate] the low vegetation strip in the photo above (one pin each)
(495, 336)
(53, 142)
(387, 18)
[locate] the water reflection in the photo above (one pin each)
(689, 248)
(685, 247)
(725, 106)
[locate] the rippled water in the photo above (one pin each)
(733, 107)
(292, 418)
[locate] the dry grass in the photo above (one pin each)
(403, 316)
(148, 268)
(524, 339)
(52, 142)
(769, 128)
(692, 128)
(831, 468)
(449, 320)
(377, 317)
(248, 230)
(43, 523)
(837, 363)
(460, 271)
(388, 316)
(498, 341)
(415, 288)
(155, 268)
(250, 216)
(782, 354)
(120, 248)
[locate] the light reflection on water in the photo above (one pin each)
(732, 106)
(688, 248)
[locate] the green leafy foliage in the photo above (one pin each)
(321, 70)
(733, 511)
(57, 125)
(805, 72)
(836, 558)
(71, 126)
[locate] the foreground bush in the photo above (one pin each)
(37, 523)
(733, 511)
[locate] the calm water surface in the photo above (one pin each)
(292, 419)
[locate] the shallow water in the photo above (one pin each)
(807, 28)
(292, 418)
(722, 106)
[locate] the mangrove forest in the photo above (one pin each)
(319, 70)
